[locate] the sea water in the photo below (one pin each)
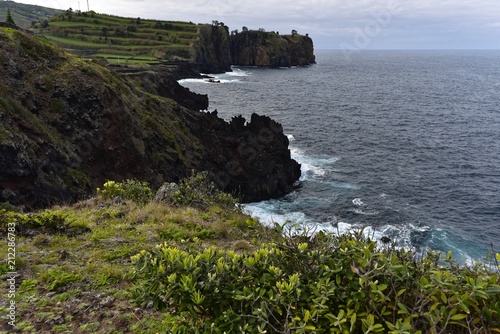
(405, 144)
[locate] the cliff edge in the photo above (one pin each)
(269, 49)
(216, 49)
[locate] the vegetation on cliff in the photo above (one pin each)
(132, 265)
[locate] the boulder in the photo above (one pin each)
(164, 194)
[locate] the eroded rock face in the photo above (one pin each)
(252, 159)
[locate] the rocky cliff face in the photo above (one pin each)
(68, 124)
(250, 159)
(212, 49)
(216, 51)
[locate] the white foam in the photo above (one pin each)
(358, 202)
(264, 212)
(238, 72)
(343, 185)
(311, 166)
(365, 212)
(290, 137)
(183, 81)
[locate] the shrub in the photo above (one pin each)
(324, 284)
(134, 190)
(47, 221)
(198, 191)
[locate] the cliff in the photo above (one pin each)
(269, 49)
(215, 50)
(68, 124)
(212, 49)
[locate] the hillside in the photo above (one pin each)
(68, 124)
(27, 16)
(121, 40)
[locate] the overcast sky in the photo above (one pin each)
(332, 24)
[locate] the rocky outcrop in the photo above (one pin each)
(251, 160)
(68, 124)
(212, 49)
(269, 49)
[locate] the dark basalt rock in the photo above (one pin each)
(250, 160)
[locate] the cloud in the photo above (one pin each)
(417, 23)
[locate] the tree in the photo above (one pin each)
(244, 29)
(294, 32)
(9, 17)
(69, 13)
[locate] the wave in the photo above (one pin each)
(310, 166)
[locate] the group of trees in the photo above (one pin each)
(245, 29)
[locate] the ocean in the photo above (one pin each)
(404, 144)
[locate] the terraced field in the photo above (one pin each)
(120, 39)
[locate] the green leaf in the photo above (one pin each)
(458, 316)
(307, 314)
(400, 292)
(353, 322)
(402, 309)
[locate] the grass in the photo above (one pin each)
(80, 283)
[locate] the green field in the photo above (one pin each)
(120, 39)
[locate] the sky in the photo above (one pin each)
(332, 24)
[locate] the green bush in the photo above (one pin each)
(324, 284)
(198, 191)
(47, 221)
(134, 190)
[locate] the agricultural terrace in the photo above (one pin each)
(121, 40)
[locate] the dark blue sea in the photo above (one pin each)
(405, 144)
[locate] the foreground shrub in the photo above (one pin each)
(134, 190)
(327, 284)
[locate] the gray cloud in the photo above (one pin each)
(391, 24)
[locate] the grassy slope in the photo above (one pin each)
(117, 38)
(76, 279)
(24, 15)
